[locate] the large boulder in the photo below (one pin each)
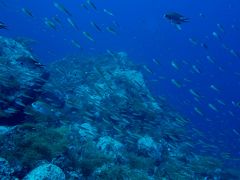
(148, 147)
(110, 146)
(46, 172)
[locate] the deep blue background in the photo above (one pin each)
(144, 34)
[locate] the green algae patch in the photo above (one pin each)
(33, 143)
(89, 160)
(119, 172)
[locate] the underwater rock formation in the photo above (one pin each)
(147, 147)
(86, 131)
(21, 79)
(109, 91)
(110, 146)
(6, 171)
(44, 172)
(4, 129)
(92, 118)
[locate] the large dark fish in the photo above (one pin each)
(2, 25)
(29, 62)
(176, 18)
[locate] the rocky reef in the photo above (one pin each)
(21, 79)
(90, 117)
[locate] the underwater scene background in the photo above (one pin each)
(93, 89)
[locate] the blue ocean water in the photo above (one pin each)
(143, 32)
